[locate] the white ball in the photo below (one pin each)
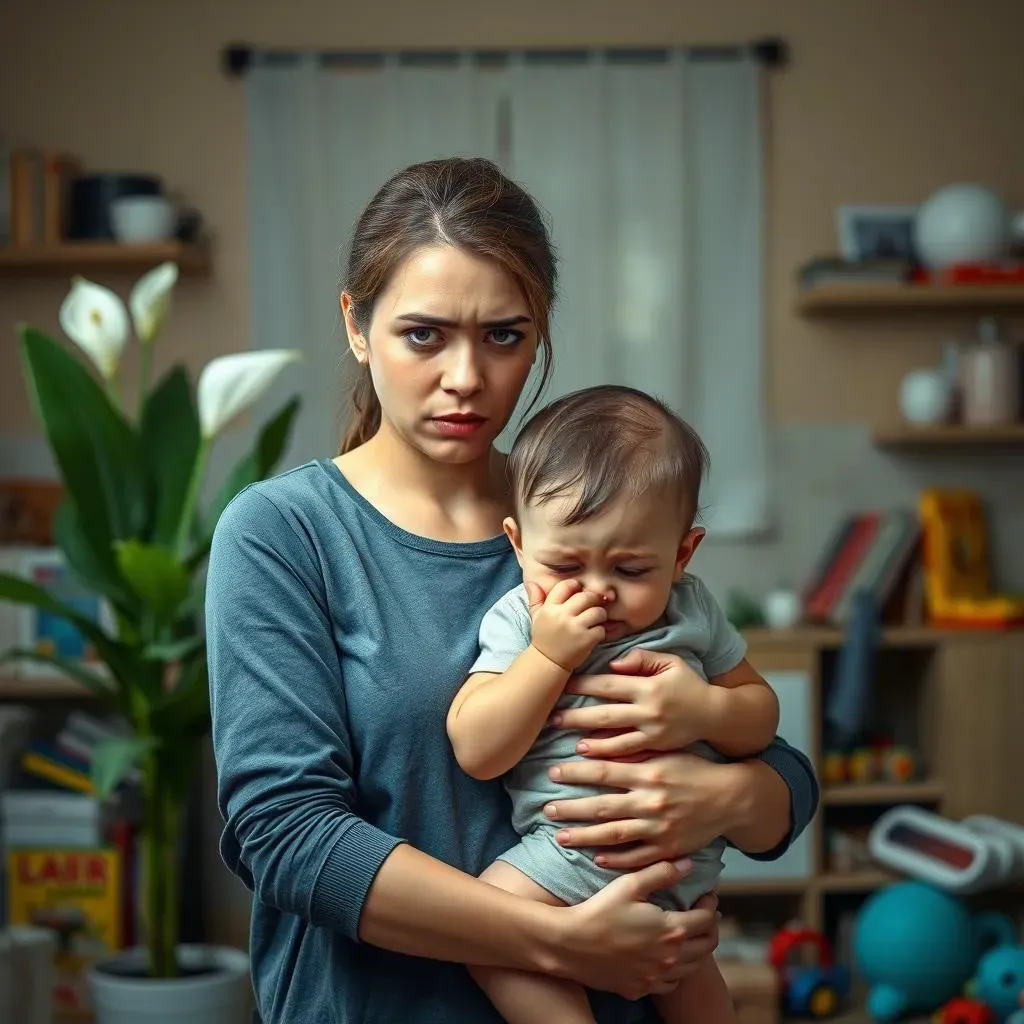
(965, 223)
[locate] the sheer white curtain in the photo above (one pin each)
(321, 141)
(650, 171)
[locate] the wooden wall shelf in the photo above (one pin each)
(59, 260)
(881, 794)
(952, 436)
(828, 299)
(824, 637)
(42, 688)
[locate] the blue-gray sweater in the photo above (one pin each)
(336, 643)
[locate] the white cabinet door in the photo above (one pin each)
(796, 726)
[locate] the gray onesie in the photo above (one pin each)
(694, 627)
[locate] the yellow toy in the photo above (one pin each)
(955, 557)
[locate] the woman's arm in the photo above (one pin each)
(422, 907)
(750, 802)
(287, 789)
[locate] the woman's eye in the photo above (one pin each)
(505, 337)
(631, 573)
(420, 337)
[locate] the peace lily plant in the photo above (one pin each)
(131, 529)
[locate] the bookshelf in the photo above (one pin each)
(63, 258)
(953, 695)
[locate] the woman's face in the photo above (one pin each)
(449, 348)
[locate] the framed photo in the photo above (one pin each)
(876, 232)
(47, 634)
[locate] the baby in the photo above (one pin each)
(606, 484)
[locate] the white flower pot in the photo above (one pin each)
(213, 989)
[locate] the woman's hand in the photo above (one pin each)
(619, 942)
(655, 701)
(670, 805)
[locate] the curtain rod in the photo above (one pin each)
(238, 58)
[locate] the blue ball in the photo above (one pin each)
(917, 940)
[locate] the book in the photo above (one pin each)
(77, 893)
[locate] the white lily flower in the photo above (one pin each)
(95, 319)
(150, 300)
(229, 384)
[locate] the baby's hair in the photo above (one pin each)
(604, 443)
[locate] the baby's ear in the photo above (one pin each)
(687, 546)
(511, 528)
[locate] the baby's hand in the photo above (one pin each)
(567, 623)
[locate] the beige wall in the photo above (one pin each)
(883, 101)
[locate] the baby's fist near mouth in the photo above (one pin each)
(566, 623)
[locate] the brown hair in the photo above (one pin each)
(462, 202)
(602, 443)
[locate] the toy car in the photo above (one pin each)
(965, 1011)
(814, 991)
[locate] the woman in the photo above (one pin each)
(343, 603)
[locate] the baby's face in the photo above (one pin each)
(630, 554)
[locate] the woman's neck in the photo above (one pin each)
(457, 502)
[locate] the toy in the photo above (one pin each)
(965, 1011)
(999, 981)
(917, 946)
(966, 857)
(814, 991)
(956, 564)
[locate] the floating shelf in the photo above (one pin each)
(65, 258)
(827, 636)
(882, 793)
(951, 436)
(762, 886)
(866, 298)
(854, 882)
(42, 688)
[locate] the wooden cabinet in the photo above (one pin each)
(957, 697)
(979, 727)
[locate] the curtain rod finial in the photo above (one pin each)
(771, 51)
(236, 59)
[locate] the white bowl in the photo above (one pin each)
(143, 218)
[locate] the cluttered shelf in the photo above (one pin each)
(70, 257)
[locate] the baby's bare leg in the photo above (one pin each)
(521, 997)
(700, 998)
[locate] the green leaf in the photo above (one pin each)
(92, 443)
(152, 571)
(96, 566)
(174, 650)
(92, 682)
(113, 759)
(170, 440)
(258, 463)
(21, 591)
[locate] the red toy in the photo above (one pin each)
(965, 1011)
(814, 992)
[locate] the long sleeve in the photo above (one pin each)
(797, 772)
(284, 755)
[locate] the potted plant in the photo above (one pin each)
(132, 529)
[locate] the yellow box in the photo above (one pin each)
(77, 893)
